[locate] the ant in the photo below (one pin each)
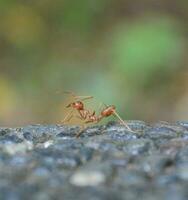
(90, 117)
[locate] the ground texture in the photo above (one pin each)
(44, 162)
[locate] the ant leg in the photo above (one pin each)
(79, 117)
(89, 121)
(100, 117)
(68, 117)
(123, 122)
(100, 106)
(83, 114)
(81, 131)
(67, 120)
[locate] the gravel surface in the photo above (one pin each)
(44, 162)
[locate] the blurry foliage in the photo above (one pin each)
(80, 15)
(7, 99)
(22, 26)
(147, 46)
(128, 53)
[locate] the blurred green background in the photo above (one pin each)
(129, 53)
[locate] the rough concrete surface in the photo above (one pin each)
(108, 162)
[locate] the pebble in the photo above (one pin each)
(87, 178)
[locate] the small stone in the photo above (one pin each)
(138, 146)
(86, 154)
(48, 143)
(182, 172)
(28, 136)
(87, 178)
(4, 131)
(182, 155)
(11, 138)
(183, 123)
(18, 148)
(160, 132)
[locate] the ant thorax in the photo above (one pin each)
(78, 105)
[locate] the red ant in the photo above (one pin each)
(89, 117)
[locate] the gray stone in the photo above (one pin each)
(107, 162)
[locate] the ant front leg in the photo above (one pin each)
(68, 117)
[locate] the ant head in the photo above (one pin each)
(78, 105)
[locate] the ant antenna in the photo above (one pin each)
(121, 120)
(83, 98)
(125, 124)
(68, 116)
